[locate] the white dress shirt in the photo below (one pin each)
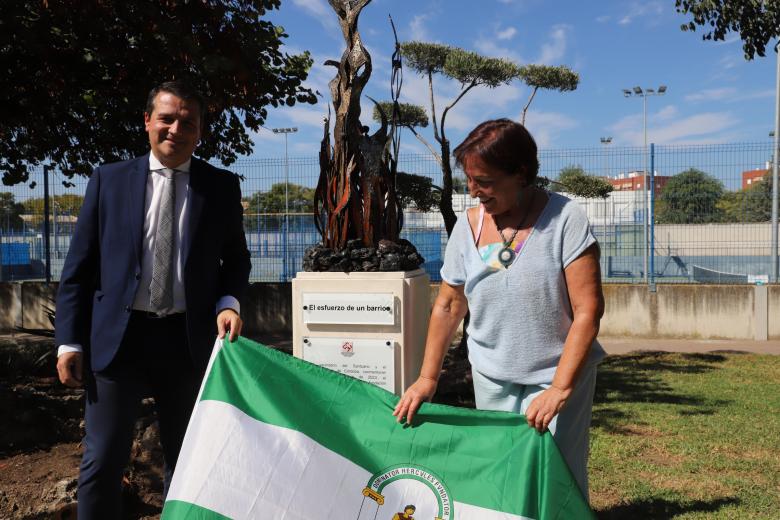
(154, 190)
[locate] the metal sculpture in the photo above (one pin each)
(355, 197)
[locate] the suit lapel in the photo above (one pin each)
(137, 193)
(196, 197)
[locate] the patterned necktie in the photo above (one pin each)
(161, 289)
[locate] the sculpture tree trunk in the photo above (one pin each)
(355, 196)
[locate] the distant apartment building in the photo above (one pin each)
(633, 181)
(751, 177)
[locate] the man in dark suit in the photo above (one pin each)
(156, 269)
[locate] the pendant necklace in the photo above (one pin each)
(507, 254)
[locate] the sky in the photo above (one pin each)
(713, 94)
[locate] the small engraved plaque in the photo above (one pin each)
(349, 308)
(370, 360)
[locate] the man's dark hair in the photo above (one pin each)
(503, 144)
(181, 90)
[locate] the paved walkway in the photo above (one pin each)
(624, 345)
(613, 345)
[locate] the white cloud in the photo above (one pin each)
(307, 116)
(411, 146)
(417, 29)
(641, 10)
(768, 93)
(730, 61)
(729, 94)
(477, 105)
(712, 94)
(553, 51)
(667, 112)
(707, 127)
(546, 127)
(488, 47)
(506, 34)
(316, 8)
(483, 103)
(307, 149)
(323, 13)
(603, 18)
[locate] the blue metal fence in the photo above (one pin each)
(724, 240)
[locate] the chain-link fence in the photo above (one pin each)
(704, 217)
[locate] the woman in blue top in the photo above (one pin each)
(526, 265)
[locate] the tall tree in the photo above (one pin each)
(459, 184)
(547, 77)
(269, 206)
(418, 190)
(10, 212)
(756, 21)
(67, 203)
(753, 204)
(74, 76)
(300, 199)
(566, 176)
(690, 197)
(470, 70)
(575, 181)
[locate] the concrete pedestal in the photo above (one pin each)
(368, 325)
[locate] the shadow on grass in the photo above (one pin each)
(639, 378)
(657, 508)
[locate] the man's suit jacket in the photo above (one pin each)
(102, 271)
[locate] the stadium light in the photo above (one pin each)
(638, 92)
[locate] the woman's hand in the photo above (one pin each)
(545, 407)
(421, 391)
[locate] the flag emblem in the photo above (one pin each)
(421, 490)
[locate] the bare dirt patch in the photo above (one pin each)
(40, 446)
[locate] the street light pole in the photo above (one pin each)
(285, 131)
(775, 262)
(605, 141)
(46, 242)
(639, 92)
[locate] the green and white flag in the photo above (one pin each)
(273, 436)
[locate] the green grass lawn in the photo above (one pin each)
(686, 436)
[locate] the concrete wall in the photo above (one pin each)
(268, 308)
(773, 311)
(687, 311)
(9, 303)
(24, 304)
(674, 311)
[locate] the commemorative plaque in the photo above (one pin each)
(371, 326)
(370, 360)
(349, 308)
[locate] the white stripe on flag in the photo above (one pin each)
(241, 468)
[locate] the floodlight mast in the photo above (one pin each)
(639, 92)
(285, 131)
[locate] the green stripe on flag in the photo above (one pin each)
(488, 459)
(178, 509)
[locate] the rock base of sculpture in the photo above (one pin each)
(371, 326)
(387, 256)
